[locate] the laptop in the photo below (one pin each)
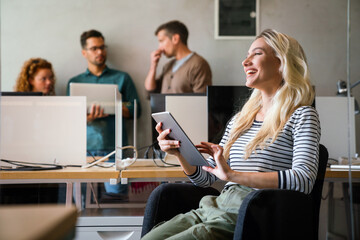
(21, 94)
(98, 94)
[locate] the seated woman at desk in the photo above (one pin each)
(36, 75)
(272, 143)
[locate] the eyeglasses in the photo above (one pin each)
(94, 49)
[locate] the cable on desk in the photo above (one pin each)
(119, 164)
(31, 168)
(98, 165)
(157, 154)
(25, 166)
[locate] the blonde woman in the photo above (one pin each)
(272, 143)
(36, 75)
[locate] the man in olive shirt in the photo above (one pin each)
(186, 73)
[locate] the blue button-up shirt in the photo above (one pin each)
(101, 132)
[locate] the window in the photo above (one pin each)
(236, 19)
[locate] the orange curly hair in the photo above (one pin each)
(28, 71)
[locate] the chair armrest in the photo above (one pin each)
(276, 214)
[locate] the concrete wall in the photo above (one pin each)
(51, 29)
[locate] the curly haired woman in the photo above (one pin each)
(36, 75)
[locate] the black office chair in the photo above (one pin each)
(264, 214)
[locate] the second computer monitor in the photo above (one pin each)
(223, 102)
(188, 108)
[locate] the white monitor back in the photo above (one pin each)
(191, 113)
(333, 114)
(43, 129)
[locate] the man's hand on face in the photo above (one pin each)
(155, 57)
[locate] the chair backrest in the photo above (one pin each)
(282, 214)
(317, 189)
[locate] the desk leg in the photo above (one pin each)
(78, 195)
(331, 215)
(88, 195)
(69, 194)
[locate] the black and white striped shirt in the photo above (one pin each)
(294, 154)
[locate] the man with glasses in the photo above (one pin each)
(100, 126)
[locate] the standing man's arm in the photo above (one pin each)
(150, 82)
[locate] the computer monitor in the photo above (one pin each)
(158, 104)
(21, 94)
(191, 113)
(43, 129)
(335, 122)
(223, 103)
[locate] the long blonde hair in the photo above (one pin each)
(28, 71)
(296, 91)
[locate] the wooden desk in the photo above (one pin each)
(70, 176)
(37, 222)
(332, 175)
(53, 176)
(143, 174)
(75, 176)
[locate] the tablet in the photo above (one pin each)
(98, 94)
(187, 148)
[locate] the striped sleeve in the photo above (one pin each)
(203, 178)
(305, 130)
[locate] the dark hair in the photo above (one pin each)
(88, 34)
(174, 27)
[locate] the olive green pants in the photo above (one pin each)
(214, 219)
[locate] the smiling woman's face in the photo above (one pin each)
(262, 67)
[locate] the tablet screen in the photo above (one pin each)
(187, 148)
